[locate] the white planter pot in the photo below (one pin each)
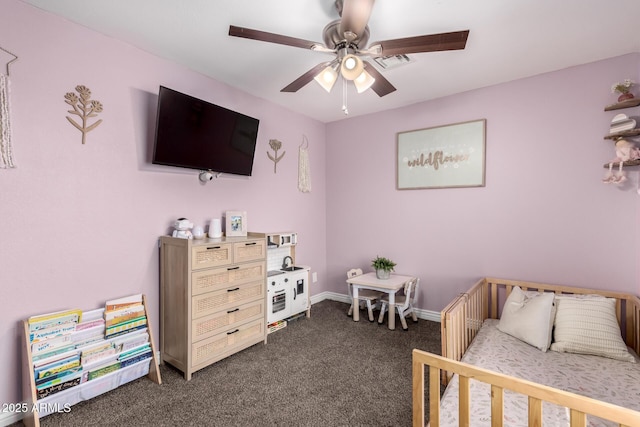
(382, 274)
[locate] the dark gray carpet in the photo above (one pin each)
(323, 371)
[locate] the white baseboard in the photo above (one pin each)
(433, 316)
(8, 418)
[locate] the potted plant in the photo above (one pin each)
(623, 88)
(383, 267)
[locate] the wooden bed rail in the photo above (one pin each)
(579, 406)
(463, 317)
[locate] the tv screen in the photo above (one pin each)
(192, 133)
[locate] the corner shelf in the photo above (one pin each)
(624, 164)
(633, 102)
(627, 133)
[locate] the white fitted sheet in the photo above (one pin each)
(597, 377)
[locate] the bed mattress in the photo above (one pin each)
(597, 377)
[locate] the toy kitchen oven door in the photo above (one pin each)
(287, 294)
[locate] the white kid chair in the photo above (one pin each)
(404, 303)
(364, 295)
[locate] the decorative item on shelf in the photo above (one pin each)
(621, 123)
(624, 89)
(275, 146)
(383, 267)
(183, 229)
(84, 108)
(625, 151)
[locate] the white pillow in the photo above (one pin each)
(587, 324)
(529, 317)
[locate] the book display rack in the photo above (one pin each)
(71, 355)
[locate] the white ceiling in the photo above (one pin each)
(508, 40)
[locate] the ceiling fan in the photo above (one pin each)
(346, 38)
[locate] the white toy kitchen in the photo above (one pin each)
(287, 283)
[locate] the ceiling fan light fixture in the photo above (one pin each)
(363, 82)
(351, 67)
(327, 78)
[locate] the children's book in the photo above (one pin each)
(120, 303)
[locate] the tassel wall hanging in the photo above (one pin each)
(6, 148)
(304, 172)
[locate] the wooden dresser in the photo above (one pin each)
(212, 299)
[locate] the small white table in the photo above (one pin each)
(393, 284)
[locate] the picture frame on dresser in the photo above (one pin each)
(236, 223)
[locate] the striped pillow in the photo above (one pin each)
(587, 324)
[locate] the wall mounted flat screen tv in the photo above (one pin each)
(192, 133)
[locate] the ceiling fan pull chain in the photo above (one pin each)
(344, 97)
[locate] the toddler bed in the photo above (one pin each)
(495, 373)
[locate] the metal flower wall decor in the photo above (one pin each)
(84, 108)
(275, 146)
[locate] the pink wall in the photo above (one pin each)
(80, 223)
(544, 214)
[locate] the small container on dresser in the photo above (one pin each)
(212, 299)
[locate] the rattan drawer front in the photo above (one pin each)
(209, 280)
(249, 251)
(213, 255)
(212, 347)
(205, 327)
(226, 299)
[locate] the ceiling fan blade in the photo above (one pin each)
(354, 18)
(302, 81)
(264, 36)
(430, 43)
(381, 86)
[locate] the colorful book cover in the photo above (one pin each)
(56, 367)
(46, 320)
(87, 335)
(121, 316)
(50, 344)
(55, 358)
(119, 303)
(128, 331)
(135, 341)
(98, 372)
(59, 376)
(45, 391)
(93, 357)
(135, 359)
(90, 324)
(134, 351)
(123, 327)
(55, 352)
(52, 331)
